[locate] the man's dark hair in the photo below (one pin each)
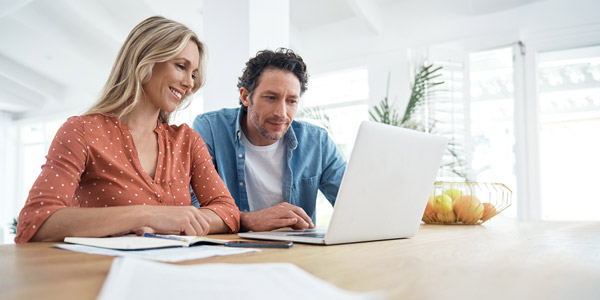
(282, 59)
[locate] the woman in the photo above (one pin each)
(120, 167)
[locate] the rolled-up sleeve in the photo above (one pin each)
(210, 190)
(60, 176)
(334, 167)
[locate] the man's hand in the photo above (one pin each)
(278, 216)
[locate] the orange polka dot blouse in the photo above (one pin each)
(93, 162)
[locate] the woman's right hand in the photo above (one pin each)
(179, 220)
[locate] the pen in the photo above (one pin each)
(162, 236)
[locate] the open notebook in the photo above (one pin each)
(134, 242)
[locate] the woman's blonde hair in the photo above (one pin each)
(154, 40)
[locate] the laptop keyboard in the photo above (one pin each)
(310, 234)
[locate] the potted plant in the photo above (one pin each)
(423, 86)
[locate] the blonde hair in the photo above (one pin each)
(155, 39)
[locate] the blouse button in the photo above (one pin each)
(240, 155)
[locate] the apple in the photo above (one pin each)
(468, 209)
(453, 193)
(489, 210)
(448, 217)
(442, 203)
(430, 215)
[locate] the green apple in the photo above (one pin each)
(442, 203)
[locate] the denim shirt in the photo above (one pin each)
(313, 162)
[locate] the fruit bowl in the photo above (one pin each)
(466, 202)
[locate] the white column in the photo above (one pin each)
(234, 31)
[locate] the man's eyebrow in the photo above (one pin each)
(276, 93)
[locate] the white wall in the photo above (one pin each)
(234, 31)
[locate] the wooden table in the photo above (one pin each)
(502, 259)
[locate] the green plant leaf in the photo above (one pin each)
(13, 226)
(317, 114)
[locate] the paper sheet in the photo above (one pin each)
(165, 255)
(131, 278)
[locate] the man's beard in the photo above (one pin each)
(263, 131)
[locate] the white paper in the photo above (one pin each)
(165, 255)
(131, 278)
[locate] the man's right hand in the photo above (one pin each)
(274, 217)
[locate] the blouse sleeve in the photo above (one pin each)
(55, 187)
(211, 191)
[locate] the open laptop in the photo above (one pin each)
(383, 193)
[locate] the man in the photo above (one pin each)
(272, 165)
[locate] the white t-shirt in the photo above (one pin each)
(264, 174)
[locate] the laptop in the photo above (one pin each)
(384, 190)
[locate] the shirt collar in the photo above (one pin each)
(238, 127)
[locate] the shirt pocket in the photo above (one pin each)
(306, 194)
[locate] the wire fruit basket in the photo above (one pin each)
(466, 202)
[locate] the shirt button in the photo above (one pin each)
(241, 183)
(240, 155)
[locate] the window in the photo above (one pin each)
(569, 122)
(341, 96)
(492, 119)
(446, 111)
(33, 146)
(189, 113)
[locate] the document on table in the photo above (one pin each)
(131, 278)
(165, 254)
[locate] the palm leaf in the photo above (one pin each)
(317, 114)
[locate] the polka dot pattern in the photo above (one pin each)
(93, 162)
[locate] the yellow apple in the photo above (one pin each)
(453, 193)
(448, 217)
(442, 203)
(468, 209)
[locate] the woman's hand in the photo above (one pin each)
(179, 220)
(139, 219)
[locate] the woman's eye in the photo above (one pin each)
(180, 66)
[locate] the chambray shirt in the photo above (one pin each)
(313, 162)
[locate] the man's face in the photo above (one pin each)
(272, 107)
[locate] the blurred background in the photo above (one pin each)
(521, 91)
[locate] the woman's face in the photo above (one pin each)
(172, 80)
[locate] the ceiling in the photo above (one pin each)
(57, 53)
